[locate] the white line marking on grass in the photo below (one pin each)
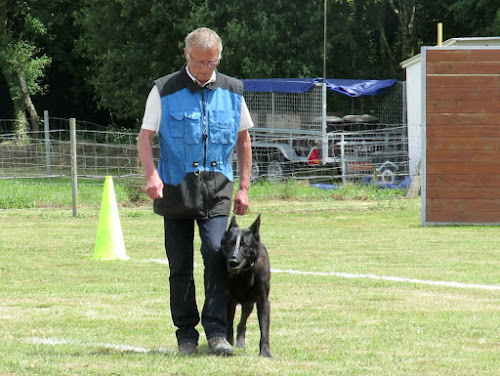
(125, 348)
(393, 279)
(163, 261)
(376, 277)
(158, 261)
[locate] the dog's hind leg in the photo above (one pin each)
(246, 310)
(264, 313)
(231, 310)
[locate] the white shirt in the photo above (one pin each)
(152, 112)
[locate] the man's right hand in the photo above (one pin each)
(154, 186)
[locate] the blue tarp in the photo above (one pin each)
(350, 87)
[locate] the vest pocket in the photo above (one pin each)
(187, 126)
(222, 127)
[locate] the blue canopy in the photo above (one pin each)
(349, 87)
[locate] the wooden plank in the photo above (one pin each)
(462, 156)
(459, 67)
(457, 54)
(463, 181)
(485, 106)
(463, 81)
(463, 136)
(463, 217)
(465, 143)
(457, 119)
(465, 94)
(460, 205)
(460, 168)
(464, 193)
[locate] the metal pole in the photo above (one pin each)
(342, 159)
(324, 148)
(46, 128)
(324, 41)
(273, 112)
(74, 178)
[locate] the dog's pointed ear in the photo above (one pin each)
(233, 222)
(255, 228)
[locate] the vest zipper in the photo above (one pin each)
(205, 134)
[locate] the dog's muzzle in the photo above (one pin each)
(239, 261)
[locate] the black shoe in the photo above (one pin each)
(188, 348)
(220, 346)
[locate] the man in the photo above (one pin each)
(199, 115)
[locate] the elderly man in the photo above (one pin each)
(200, 116)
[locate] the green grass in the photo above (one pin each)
(320, 324)
(56, 192)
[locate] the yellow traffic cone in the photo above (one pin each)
(109, 242)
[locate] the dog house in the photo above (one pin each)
(460, 135)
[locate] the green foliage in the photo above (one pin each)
(19, 52)
(477, 17)
(130, 43)
(107, 52)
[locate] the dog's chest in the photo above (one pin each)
(243, 288)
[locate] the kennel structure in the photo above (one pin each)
(295, 134)
(461, 135)
(413, 73)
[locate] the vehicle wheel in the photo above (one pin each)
(255, 171)
(275, 171)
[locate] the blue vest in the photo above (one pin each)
(198, 132)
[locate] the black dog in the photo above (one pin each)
(249, 275)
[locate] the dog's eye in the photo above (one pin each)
(245, 250)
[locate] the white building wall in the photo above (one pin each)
(414, 115)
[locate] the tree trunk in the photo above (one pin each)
(406, 18)
(385, 48)
(416, 183)
(21, 124)
(28, 103)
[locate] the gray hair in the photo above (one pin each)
(205, 38)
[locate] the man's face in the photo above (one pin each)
(202, 63)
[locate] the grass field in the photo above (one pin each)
(63, 313)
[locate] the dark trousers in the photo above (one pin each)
(179, 236)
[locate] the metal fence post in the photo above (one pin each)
(74, 178)
(343, 162)
(46, 128)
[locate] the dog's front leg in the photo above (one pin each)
(231, 310)
(246, 310)
(264, 313)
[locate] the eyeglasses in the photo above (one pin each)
(200, 64)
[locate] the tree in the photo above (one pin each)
(21, 62)
(405, 12)
(128, 44)
(476, 17)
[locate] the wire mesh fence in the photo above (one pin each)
(278, 154)
(99, 152)
(361, 138)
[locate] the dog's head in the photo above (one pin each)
(240, 246)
